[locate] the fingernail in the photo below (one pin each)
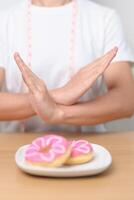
(16, 54)
(115, 49)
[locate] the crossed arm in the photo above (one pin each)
(116, 104)
(55, 107)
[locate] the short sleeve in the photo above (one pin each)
(3, 40)
(2, 54)
(114, 36)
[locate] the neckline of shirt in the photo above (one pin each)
(64, 9)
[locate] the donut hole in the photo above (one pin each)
(45, 149)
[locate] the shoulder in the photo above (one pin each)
(9, 17)
(95, 11)
(97, 21)
(17, 8)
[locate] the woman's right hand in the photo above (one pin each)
(82, 80)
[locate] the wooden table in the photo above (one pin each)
(117, 183)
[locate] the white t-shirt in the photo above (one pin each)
(98, 30)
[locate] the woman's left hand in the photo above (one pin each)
(39, 97)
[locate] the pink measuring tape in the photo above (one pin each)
(71, 45)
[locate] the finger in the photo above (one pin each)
(25, 69)
(112, 53)
(26, 73)
(104, 62)
(31, 80)
(107, 59)
(22, 66)
(30, 83)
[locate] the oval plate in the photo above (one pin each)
(101, 161)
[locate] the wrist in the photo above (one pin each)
(58, 116)
(30, 107)
(59, 95)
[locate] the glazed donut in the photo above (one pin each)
(81, 152)
(48, 151)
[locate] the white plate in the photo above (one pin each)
(101, 161)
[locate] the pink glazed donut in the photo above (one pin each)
(48, 151)
(82, 152)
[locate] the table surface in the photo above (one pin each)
(114, 184)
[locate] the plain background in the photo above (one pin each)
(125, 9)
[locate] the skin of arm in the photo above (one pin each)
(111, 106)
(2, 77)
(116, 104)
(17, 106)
(13, 106)
(40, 98)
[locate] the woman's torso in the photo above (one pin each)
(50, 54)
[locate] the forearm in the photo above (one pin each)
(17, 106)
(114, 105)
(71, 92)
(14, 107)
